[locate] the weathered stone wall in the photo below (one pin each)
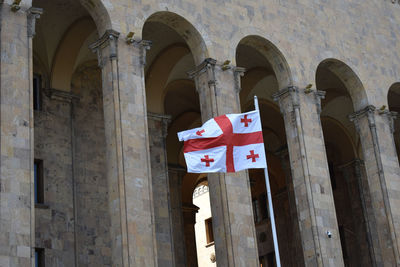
(92, 211)
(69, 138)
(55, 218)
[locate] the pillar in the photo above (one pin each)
(158, 129)
(127, 150)
(17, 228)
(189, 220)
(295, 246)
(310, 177)
(175, 176)
(230, 196)
(355, 180)
(375, 128)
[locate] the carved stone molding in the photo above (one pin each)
(318, 95)
(59, 95)
(209, 66)
(143, 46)
(291, 91)
(109, 38)
(33, 14)
(367, 111)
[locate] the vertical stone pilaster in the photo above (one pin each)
(382, 169)
(359, 205)
(17, 228)
(310, 177)
(158, 129)
(127, 140)
(189, 218)
(234, 232)
(175, 177)
(295, 246)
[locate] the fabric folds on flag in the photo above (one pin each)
(226, 143)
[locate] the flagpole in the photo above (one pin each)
(271, 209)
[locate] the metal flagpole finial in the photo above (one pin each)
(256, 103)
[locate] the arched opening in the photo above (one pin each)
(170, 94)
(394, 105)
(72, 219)
(266, 73)
(344, 94)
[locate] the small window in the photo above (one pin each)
(209, 230)
(39, 185)
(39, 257)
(256, 209)
(37, 97)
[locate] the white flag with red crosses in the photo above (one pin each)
(227, 143)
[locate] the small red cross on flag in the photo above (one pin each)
(226, 143)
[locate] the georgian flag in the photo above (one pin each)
(226, 143)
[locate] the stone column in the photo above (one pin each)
(175, 175)
(127, 151)
(310, 177)
(358, 206)
(189, 218)
(158, 129)
(383, 174)
(295, 247)
(230, 196)
(17, 228)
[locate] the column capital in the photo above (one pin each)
(164, 119)
(290, 91)
(294, 92)
(210, 65)
(143, 46)
(368, 111)
(109, 38)
(33, 14)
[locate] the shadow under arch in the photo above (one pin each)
(186, 30)
(393, 99)
(67, 52)
(272, 54)
(349, 78)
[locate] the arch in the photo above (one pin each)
(67, 53)
(334, 130)
(99, 14)
(272, 54)
(350, 80)
(162, 68)
(186, 30)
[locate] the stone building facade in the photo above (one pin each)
(92, 95)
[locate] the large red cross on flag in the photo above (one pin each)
(226, 143)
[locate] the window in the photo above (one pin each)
(39, 257)
(37, 99)
(256, 211)
(209, 231)
(39, 186)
